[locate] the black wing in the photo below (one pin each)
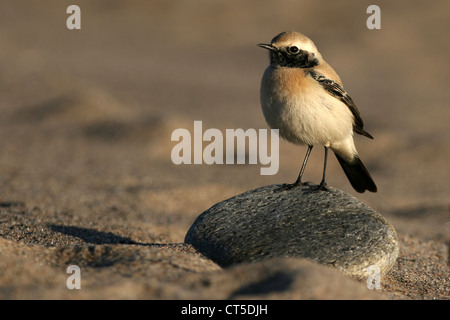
(338, 92)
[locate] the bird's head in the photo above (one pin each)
(292, 50)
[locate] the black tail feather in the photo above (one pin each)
(357, 174)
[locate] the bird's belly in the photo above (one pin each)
(309, 117)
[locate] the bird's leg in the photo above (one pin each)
(323, 184)
(299, 179)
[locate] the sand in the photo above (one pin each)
(86, 174)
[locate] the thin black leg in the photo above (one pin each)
(299, 179)
(323, 184)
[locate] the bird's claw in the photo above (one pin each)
(289, 186)
(321, 187)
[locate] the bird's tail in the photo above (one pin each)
(357, 174)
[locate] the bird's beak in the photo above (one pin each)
(267, 46)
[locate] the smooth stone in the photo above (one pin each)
(330, 227)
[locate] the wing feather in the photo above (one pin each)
(336, 90)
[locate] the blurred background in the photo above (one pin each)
(87, 115)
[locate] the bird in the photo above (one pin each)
(304, 98)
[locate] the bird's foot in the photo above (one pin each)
(321, 187)
(289, 186)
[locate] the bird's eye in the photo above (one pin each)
(293, 49)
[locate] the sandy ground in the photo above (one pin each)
(86, 175)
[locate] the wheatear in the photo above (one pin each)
(303, 97)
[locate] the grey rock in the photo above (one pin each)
(329, 227)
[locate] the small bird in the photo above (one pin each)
(304, 98)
